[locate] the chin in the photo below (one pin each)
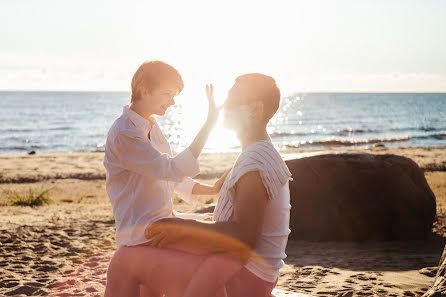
(228, 125)
(161, 112)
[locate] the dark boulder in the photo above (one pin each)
(359, 197)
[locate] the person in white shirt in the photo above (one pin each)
(251, 219)
(141, 173)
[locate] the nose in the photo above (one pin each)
(225, 104)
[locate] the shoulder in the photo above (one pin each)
(250, 178)
(261, 154)
(126, 135)
(263, 162)
(120, 124)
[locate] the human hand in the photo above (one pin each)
(219, 183)
(210, 217)
(213, 110)
(164, 232)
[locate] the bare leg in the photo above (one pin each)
(119, 284)
(145, 291)
(211, 277)
(245, 283)
(159, 270)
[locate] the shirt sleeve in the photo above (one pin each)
(184, 190)
(136, 153)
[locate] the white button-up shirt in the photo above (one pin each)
(142, 176)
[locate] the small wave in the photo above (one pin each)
(356, 131)
(13, 148)
(418, 128)
(59, 129)
(427, 129)
(351, 142)
(17, 130)
(439, 136)
(283, 134)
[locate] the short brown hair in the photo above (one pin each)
(261, 87)
(151, 74)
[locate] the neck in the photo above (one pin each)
(136, 107)
(249, 136)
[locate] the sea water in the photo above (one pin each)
(79, 121)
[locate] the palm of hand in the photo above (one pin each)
(213, 110)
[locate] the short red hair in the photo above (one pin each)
(151, 74)
(257, 86)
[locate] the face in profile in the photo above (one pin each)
(252, 101)
(236, 110)
(160, 98)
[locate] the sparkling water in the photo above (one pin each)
(79, 121)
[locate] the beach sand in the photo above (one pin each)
(63, 249)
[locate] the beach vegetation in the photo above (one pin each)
(31, 198)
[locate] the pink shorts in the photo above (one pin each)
(246, 284)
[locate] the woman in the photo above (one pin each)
(142, 174)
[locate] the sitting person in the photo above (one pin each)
(142, 174)
(251, 220)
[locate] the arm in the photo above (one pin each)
(236, 237)
(135, 153)
(202, 189)
(200, 140)
(188, 189)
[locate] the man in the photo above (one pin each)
(251, 217)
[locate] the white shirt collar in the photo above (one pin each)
(136, 119)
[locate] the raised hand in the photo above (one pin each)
(199, 141)
(213, 110)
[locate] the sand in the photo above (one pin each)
(63, 249)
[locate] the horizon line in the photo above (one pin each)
(292, 93)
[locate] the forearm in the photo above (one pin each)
(202, 189)
(200, 140)
(225, 229)
(221, 237)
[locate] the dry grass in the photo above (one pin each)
(31, 198)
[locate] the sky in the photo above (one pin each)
(307, 46)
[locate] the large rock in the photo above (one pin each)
(359, 197)
(438, 289)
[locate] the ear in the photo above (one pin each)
(144, 92)
(257, 108)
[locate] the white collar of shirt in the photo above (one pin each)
(139, 121)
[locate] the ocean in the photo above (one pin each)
(79, 121)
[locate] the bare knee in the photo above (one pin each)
(119, 264)
(120, 280)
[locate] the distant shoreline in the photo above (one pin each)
(289, 94)
(284, 150)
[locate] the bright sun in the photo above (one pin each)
(194, 111)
